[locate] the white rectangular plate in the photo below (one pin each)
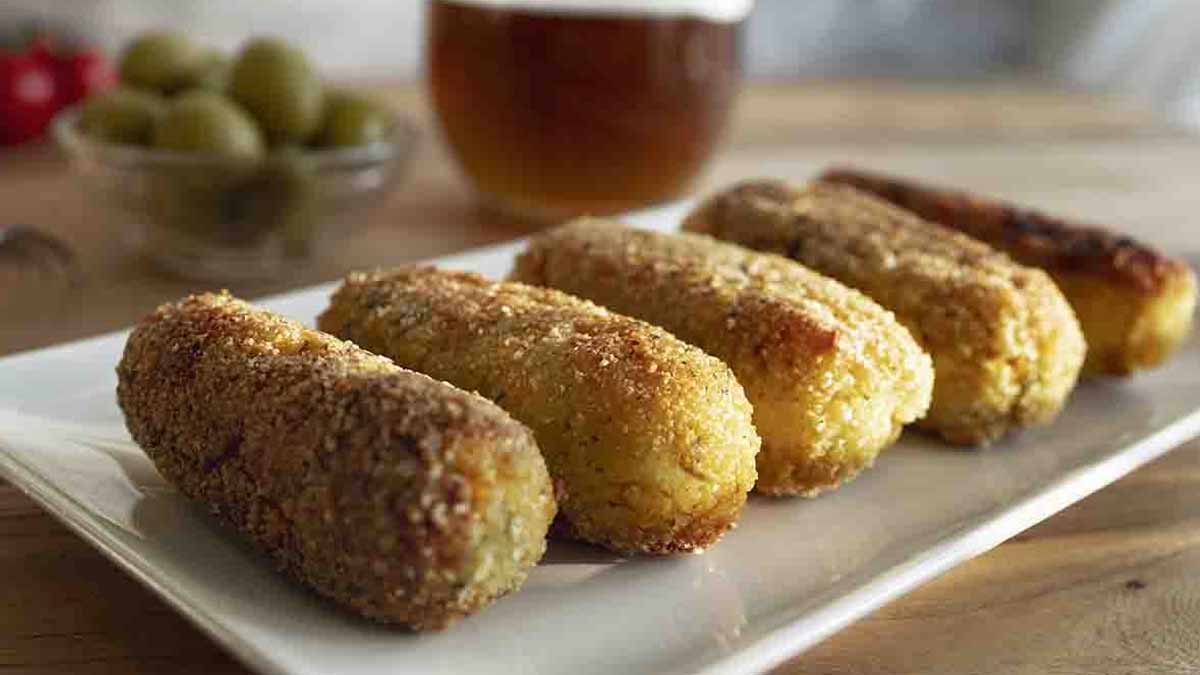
(793, 572)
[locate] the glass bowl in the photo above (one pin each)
(222, 219)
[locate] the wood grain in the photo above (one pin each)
(1112, 584)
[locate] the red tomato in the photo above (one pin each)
(28, 97)
(41, 48)
(81, 74)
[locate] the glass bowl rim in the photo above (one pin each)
(401, 139)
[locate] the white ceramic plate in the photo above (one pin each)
(793, 572)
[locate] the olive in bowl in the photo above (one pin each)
(207, 123)
(122, 115)
(160, 61)
(277, 84)
(229, 217)
(232, 168)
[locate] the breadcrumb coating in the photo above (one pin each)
(832, 376)
(649, 438)
(399, 497)
(1134, 303)
(1006, 346)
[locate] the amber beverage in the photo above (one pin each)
(555, 108)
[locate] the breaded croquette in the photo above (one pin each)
(1134, 303)
(1005, 344)
(832, 376)
(649, 439)
(400, 497)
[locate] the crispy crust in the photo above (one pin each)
(1029, 236)
(1006, 346)
(1135, 304)
(832, 376)
(399, 497)
(650, 438)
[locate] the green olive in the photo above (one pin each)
(122, 116)
(160, 61)
(276, 83)
(212, 73)
(201, 121)
(351, 119)
(282, 198)
(184, 203)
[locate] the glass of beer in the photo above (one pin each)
(557, 108)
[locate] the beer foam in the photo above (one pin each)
(710, 10)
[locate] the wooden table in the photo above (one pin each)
(1109, 585)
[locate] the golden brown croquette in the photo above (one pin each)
(1006, 346)
(1134, 303)
(399, 497)
(650, 438)
(832, 376)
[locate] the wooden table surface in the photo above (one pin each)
(1112, 584)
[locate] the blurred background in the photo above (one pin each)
(1149, 49)
(1083, 107)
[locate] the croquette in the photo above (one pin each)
(649, 438)
(1006, 346)
(1134, 303)
(399, 497)
(832, 376)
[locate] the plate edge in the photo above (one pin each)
(59, 504)
(780, 644)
